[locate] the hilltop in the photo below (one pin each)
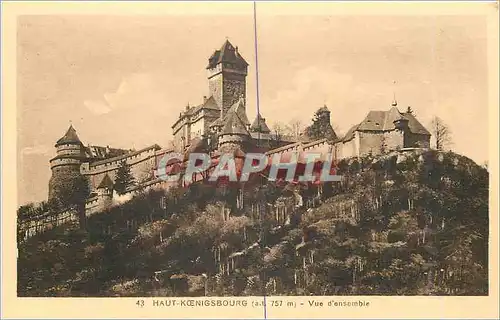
(413, 223)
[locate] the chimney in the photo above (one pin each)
(204, 99)
(236, 50)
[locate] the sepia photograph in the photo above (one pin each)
(260, 152)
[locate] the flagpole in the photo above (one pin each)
(256, 70)
(258, 134)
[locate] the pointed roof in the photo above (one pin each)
(227, 53)
(240, 110)
(350, 133)
(259, 125)
(217, 123)
(415, 125)
(234, 125)
(381, 120)
(391, 116)
(210, 103)
(70, 137)
(106, 183)
(323, 109)
(385, 121)
(197, 145)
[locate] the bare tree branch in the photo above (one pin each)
(442, 133)
(294, 128)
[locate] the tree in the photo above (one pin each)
(294, 128)
(26, 210)
(71, 191)
(279, 128)
(485, 164)
(124, 178)
(383, 145)
(441, 132)
(321, 126)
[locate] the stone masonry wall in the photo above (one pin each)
(348, 149)
(234, 88)
(377, 143)
(394, 140)
(215, 88)
(416, 140)
(142, 165)
(370, 142)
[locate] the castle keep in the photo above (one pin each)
(220, 124)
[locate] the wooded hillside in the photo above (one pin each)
(399, 224)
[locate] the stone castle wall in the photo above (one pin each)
(142, 164)
(36, 225)
(146, 161)
(59, 178)
(417, 140)
(99, 203)
(349, 148)
(376, 143)
(380, 142)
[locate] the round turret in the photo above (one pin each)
(231, 142)
(70, 150)
(66, 164)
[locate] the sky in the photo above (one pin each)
(122, 80)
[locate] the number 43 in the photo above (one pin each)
(140, 303)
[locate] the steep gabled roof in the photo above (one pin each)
(259, 125)
(70, 137)
(211, 104)
(240, 110)
(350, 134)
(414, 125)
(234, 125)
(390, 116)
(197, 145)
(227, 53)
(208, 104)
(384, 121)
(106, 182)
(217, 123)
(374, 121)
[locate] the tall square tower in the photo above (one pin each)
(227, 71)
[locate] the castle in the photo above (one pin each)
(220, 124)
